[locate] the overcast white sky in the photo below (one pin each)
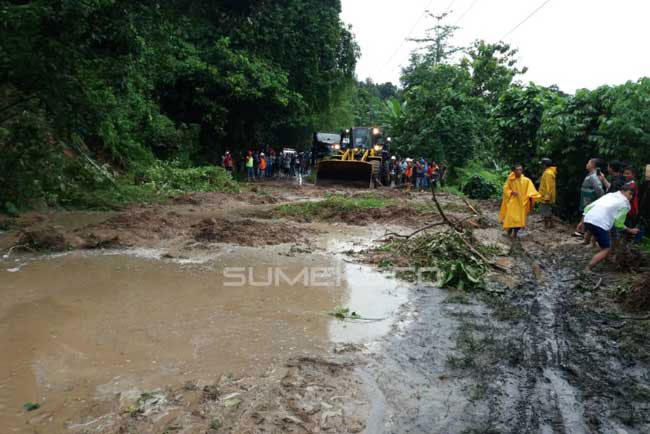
(571, 43)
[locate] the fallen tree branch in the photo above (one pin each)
(600, 281)
(469, 205)
(21, 246)
(460, 231)
(415, 232)
(483, 258)
(440, 211)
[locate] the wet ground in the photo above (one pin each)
(87, 333)
(202, 315)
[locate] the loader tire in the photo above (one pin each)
(376, 170)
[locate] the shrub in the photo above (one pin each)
(171, 177)
(479, 188)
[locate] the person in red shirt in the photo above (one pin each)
(227, 162)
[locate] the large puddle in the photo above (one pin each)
(78, 329)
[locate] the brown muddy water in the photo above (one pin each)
(78, 329)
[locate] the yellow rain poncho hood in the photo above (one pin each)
(515, 209)
(547, 186)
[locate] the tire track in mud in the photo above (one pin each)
(539, 362)
(544, 401)
(577, 370)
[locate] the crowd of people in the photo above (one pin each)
(419, 174)
(609, 200)
(267, 163)
(609, 204)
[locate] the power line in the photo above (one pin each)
(466, 12)
(450, 5)
(408, 36)
(525, 19)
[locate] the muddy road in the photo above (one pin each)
(265, 312)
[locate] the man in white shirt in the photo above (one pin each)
(603, 214)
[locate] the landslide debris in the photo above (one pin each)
(246, 232)
(44, 239)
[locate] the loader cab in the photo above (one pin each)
(364, 138)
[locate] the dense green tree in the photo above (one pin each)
(610, 123)
(125, 81)
(494, 67)
(518, 117)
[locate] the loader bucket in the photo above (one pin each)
(344, 172)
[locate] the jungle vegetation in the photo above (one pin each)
(95, 94)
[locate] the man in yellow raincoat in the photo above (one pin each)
(519, 195)
(547, 192)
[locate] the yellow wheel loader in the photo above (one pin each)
(357, 161)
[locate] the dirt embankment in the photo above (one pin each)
(248, 219)
(193, 220)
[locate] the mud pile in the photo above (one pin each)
(246, 232)
(44, 239)
(637, 299)
(132, 228)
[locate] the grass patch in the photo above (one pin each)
(344, 313)
(331, 207)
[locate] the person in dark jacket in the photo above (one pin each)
(615, 170)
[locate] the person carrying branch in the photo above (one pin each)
(519, 195)
(547, 192)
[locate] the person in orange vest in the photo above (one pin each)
(262, 165)
(409, 173)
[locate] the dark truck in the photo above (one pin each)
(324, 146)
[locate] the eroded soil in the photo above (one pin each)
(132, 329)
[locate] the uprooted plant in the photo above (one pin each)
(442, 257)
(451, 257)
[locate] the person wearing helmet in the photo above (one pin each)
(228, 163)
(547, 192)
